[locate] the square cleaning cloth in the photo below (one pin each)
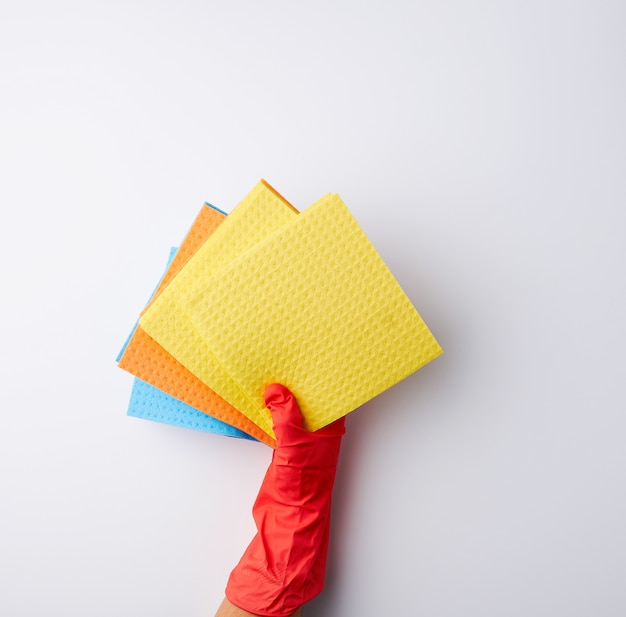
(259, 214)
(313, 306)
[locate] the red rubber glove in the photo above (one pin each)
(285, 564)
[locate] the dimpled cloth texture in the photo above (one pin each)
(150, 403)
(315, 308)
(180, 391)
(260, 213)
(143, 357)
(206, 222)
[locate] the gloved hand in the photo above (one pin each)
(285, 564)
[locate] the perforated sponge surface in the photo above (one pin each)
(164, 390)
(260, 213)
(150, 403)
(313, 307)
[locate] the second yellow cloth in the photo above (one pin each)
(261, 212)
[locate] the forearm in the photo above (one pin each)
(284, 565)
(228, 609)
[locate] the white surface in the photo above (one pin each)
(481, 147)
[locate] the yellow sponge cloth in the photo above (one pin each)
(261, 212)
(311, 306)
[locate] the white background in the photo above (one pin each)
(481, 147)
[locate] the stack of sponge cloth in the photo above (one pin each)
(267, 295)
